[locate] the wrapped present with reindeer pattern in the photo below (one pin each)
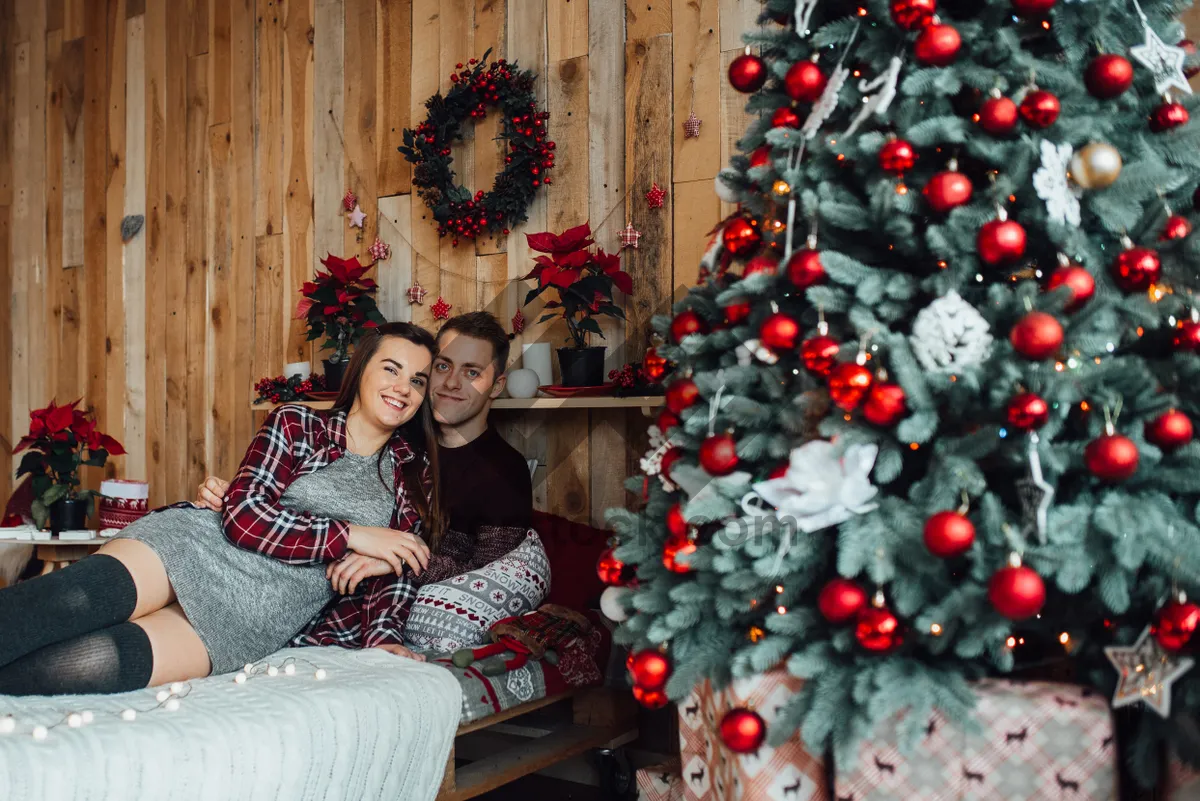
(1028, 741)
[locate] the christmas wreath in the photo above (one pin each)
(477, 88)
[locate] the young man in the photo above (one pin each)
(486, 487)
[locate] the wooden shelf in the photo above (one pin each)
(601, 402)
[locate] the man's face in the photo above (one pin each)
(463, 379)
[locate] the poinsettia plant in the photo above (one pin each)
(581, 281)
(58, 438)
(339, 304)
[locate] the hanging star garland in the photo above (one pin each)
(357, 217)
(441, 309)
(691, 126)
(416, 294)
(1145, 673)
(380, 251)
(629, 237)
(518, 322)
(656, 197)
(350, 200)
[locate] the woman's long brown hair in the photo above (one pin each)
(420, 432)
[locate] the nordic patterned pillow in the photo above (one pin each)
(458, 612)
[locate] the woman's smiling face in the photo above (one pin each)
(395, 382)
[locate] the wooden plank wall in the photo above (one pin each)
(235, 127)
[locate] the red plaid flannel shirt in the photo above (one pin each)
(295, 441)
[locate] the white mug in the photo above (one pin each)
(302, 369)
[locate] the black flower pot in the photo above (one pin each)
(334, 372)
(581, 367)
(69, 514)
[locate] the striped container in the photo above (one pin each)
(122, 502)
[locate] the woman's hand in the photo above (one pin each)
(211, 494)
(400, 650)
(346, 573)
(397, 548)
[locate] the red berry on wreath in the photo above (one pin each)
(1027, 412)
(804, 268)
(718, 454)
(1108, 76)
(1170, 430)
(682, 394)
(937, 45)
(1111, 457)
(743, 731)
(840, 600)
(685, 323)
(948, 534)
(1036, 336)
(804, 81)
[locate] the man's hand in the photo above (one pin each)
(346, 573)
(211, 494)
(397, 548)
(400, 650)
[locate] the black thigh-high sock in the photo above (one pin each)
(113, 660)
(92, 594)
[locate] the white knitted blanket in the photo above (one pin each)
(376, 727)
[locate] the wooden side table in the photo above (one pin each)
(57, 554)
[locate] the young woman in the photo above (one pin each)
(186, 592)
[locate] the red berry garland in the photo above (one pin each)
(477, 88)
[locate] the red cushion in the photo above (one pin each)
(573, 550)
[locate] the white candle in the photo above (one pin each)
(536, 356)
(302, 369)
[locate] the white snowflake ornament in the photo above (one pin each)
(823, 486)
(950, 336)
(1052, 185)
(651, 463)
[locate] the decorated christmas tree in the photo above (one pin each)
(931, 413)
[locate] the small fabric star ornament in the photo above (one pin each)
(518, 322)
(440, 309)
(350, 200)
(656, 196)
(416, 294)
(380, 250)
(1145, 673)
(357, 217)
(629, 237)
(691, 126)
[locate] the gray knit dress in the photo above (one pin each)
(243, 604)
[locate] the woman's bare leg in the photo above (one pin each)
(154, 590)
(179, 654)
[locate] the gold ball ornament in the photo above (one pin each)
(1096, 166)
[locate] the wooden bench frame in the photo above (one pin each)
(600, 718)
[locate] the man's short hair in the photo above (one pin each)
(481, 325)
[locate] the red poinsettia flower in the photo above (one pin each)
(308, 288)
(96, 440)
(330, 311)
(610, 263)
(302, 308)
(346, 271)
(568, 241)
(561, 272)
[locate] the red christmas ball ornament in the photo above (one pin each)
(804, 268)
(947, 190)
(1136, 269)
(747, 73)
(677, 525)
(1036, 336)
(948, 534)
(1001, 242)
(674, 548)
(1111, 457)
(1027, 411)
(650, 669)
(761, 156)
(740, 237)
(804, 81)
(1177, 227)
(897, 156)
(819, 354)
(1175, 624)
(1108, 76)
(736, 311)
(1028, 8)
(849, 384)
(998, 116)
(762, 263)
(937, 45)
(1189, 48)
(1017, 592)
(718, 454)
(786, 117)
(666, 420)
(1167, 116)
(1187, 337)
(1082, 285)
(779, 332)
(886, 404)
(878, 630)
(669, 459)
(1040, 109)
(1170, 430)
(651, 699)
(611, 570)
(840, 600)
(779, 471)
(681, 394)
(743, 731)
(685, 323)
(913, 14)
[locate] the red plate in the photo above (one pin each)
(556, 391)
(322, 396)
